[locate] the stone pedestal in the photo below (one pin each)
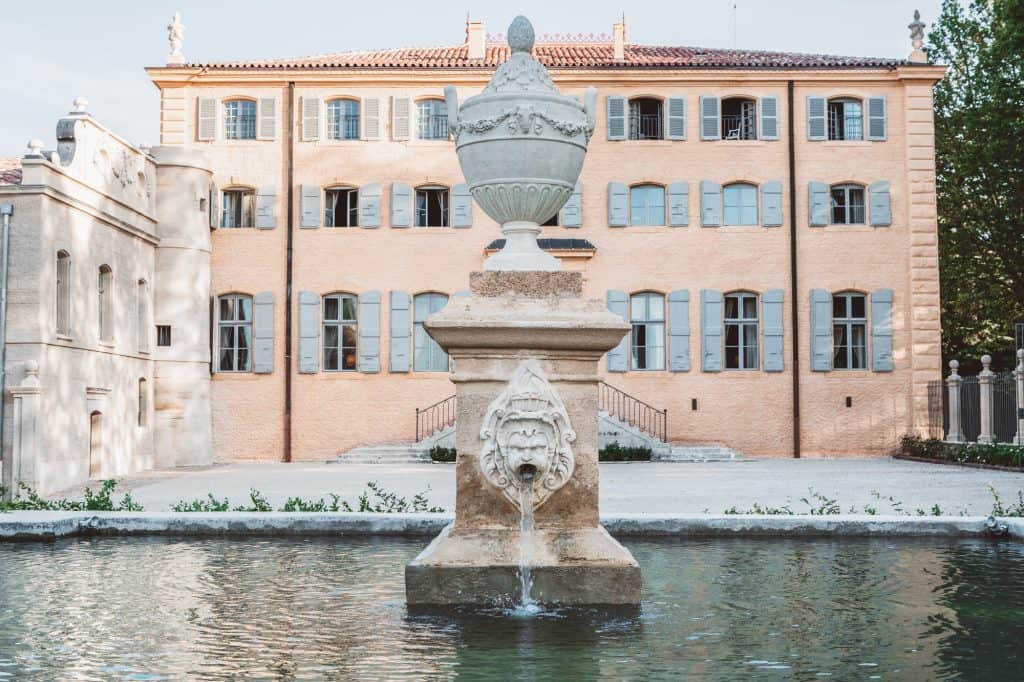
(540, 321)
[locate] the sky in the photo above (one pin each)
(56, 50)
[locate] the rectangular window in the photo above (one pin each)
(142, 315)
(647, 315)
(647, 205)
(431, 207)
(847, 205)
(240, 119)
(849, 331)
(739, 119)
(845, 120)
(237, 208)
(741, 342)
(234, 316)
(340, 333)
(343, 119)
(63, 293)
(432, 115)
(105, 290)
(163, 335)
(740, 203)
(342, 208)
(427, 355)
(645, 119)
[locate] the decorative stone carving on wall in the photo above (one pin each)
(527, 427)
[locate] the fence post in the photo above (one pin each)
(985, 399)
(1018, 375)
(956, 434)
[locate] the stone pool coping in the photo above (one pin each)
(42, 525)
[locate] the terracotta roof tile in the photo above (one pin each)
(10, 171)
(565, 55)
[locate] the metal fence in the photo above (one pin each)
(1004, 408)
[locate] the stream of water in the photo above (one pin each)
(527, 604)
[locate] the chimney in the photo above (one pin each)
(476, 38)
(619, 39)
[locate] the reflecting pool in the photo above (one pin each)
(333, 608)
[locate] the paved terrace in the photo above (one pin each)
(625, 487)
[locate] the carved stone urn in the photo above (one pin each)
(521, 147)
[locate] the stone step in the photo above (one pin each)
(386, 453)
(699, 453)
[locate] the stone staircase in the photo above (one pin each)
(698, 453)
(386, 453)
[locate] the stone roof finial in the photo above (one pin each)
(917, 39)
(175, 37)
(35, 148)
(521, 35)
(80, 106)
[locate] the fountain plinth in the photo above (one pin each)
(526, 346)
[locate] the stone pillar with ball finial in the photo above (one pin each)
(955, 433)
(918, 55)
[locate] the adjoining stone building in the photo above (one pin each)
(765, 220)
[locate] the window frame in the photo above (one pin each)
(647, 323)
(419, 332)
(848, 322)
(235, 323)
(105, 304)
(63, 283)
(846, 188)
(648, 207)
(634, 126)
(340, 323)
(143, 405)
(232, 133)
(338, 130)
(351, 211)
(750, 121)
(435, 122)
(445, 207)
(741, 322)
(741, 184)
(142, 314)
(830, 119)
(247, 194)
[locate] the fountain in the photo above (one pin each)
(526, 347)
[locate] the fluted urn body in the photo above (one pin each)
(521, 146)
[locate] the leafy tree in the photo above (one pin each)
(979, 147)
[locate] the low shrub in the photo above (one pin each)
(1002, 454)
(27, 499)
(440, 454)
(613, 452)
(373, 499)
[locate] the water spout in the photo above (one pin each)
(527, 604)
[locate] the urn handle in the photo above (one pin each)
(590, 108)
(451, 101)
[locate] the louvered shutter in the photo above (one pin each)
(618, 303)
(679, 204)
(821, 330)
(266, 118)
(369, 205)
(770, 118)
(400, 326)
(771, 203)
(206, 119)
(818, 204)
(881, 330)
(572, 212)
(877, 128)
(616, 107)
(771, 311)
(400, 118)
(310, 206)
(711, 330)
(879, 204)
(676, 118)
(679, 331)
(401, 205)
(309, 331)
(310, 119)
(618, 204)
(462, 206)
(710, 119)
(371, 118)
(214, 207)
(266, 208)
(263, 333)
(369, 332)
(817, 118)
(710, 204)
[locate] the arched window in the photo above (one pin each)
(427, 355)
(741, 336)
(847, 204)
(95, 444)
(647, 340)
(845, 119)
(340, 332)
(237, 207)
(143, 403)
(64, 293)
(341, 207)
(849, 330)
(240, 119)
(142, 314)
(739, 118)
(105, 291)
(647, 205)
(234, 323)
(645, 119)
(740, 204)
(432, 116)
(432, 206)
(343, 119)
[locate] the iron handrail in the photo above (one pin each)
(434, 418)
(633, 411)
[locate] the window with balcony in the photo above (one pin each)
(849, 330)
(740, 204)
(647, 205)
(647, 339)
(234, 321)
(847, 205)
(432, 117)
(432, 206)
(845, 119)
(237, 207)
(341, 207)
(240, 119)
(741, 331)
(340, 333)
(343, 119)
(739, 118)
(645, 119)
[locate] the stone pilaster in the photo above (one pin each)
(25, 420)
(985, 399)
(173, 107)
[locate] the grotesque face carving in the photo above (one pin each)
(528, 449)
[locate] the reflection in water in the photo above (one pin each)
(334, 608)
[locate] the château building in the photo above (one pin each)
(255, 287)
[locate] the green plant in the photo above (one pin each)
(826, 506)
(613, 452)
(258, 503)
(998, 509)
(27, 499)
(1002, 454)
(440, 454)
(373, 499)
(297, 504)
(766, 511)
(210, 504)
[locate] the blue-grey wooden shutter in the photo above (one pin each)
(821, 330)
(679, 331)
(309, 331)
(206, 119)
(214, 207)
(371, 118)
(710, 119)
(818, 204)
(266, 208)
(880, 204)
(369, 332)
(771, 310)
(679, 204)
(676, 118)
(770, 118)
(310, 206)
(710, 204)
(817, 118)
(771, 203)
(310, 119)
(711, 330)
(616, 108)
(263, 332)
(462, 206)
(400, 108)
(572, 212)
(401, 205)
(618, 303)
(401, 326)
(881, 330)
(618, 204)
(266, 118)
(877, 129)
(369, 205)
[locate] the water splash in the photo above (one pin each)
(527, 605)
